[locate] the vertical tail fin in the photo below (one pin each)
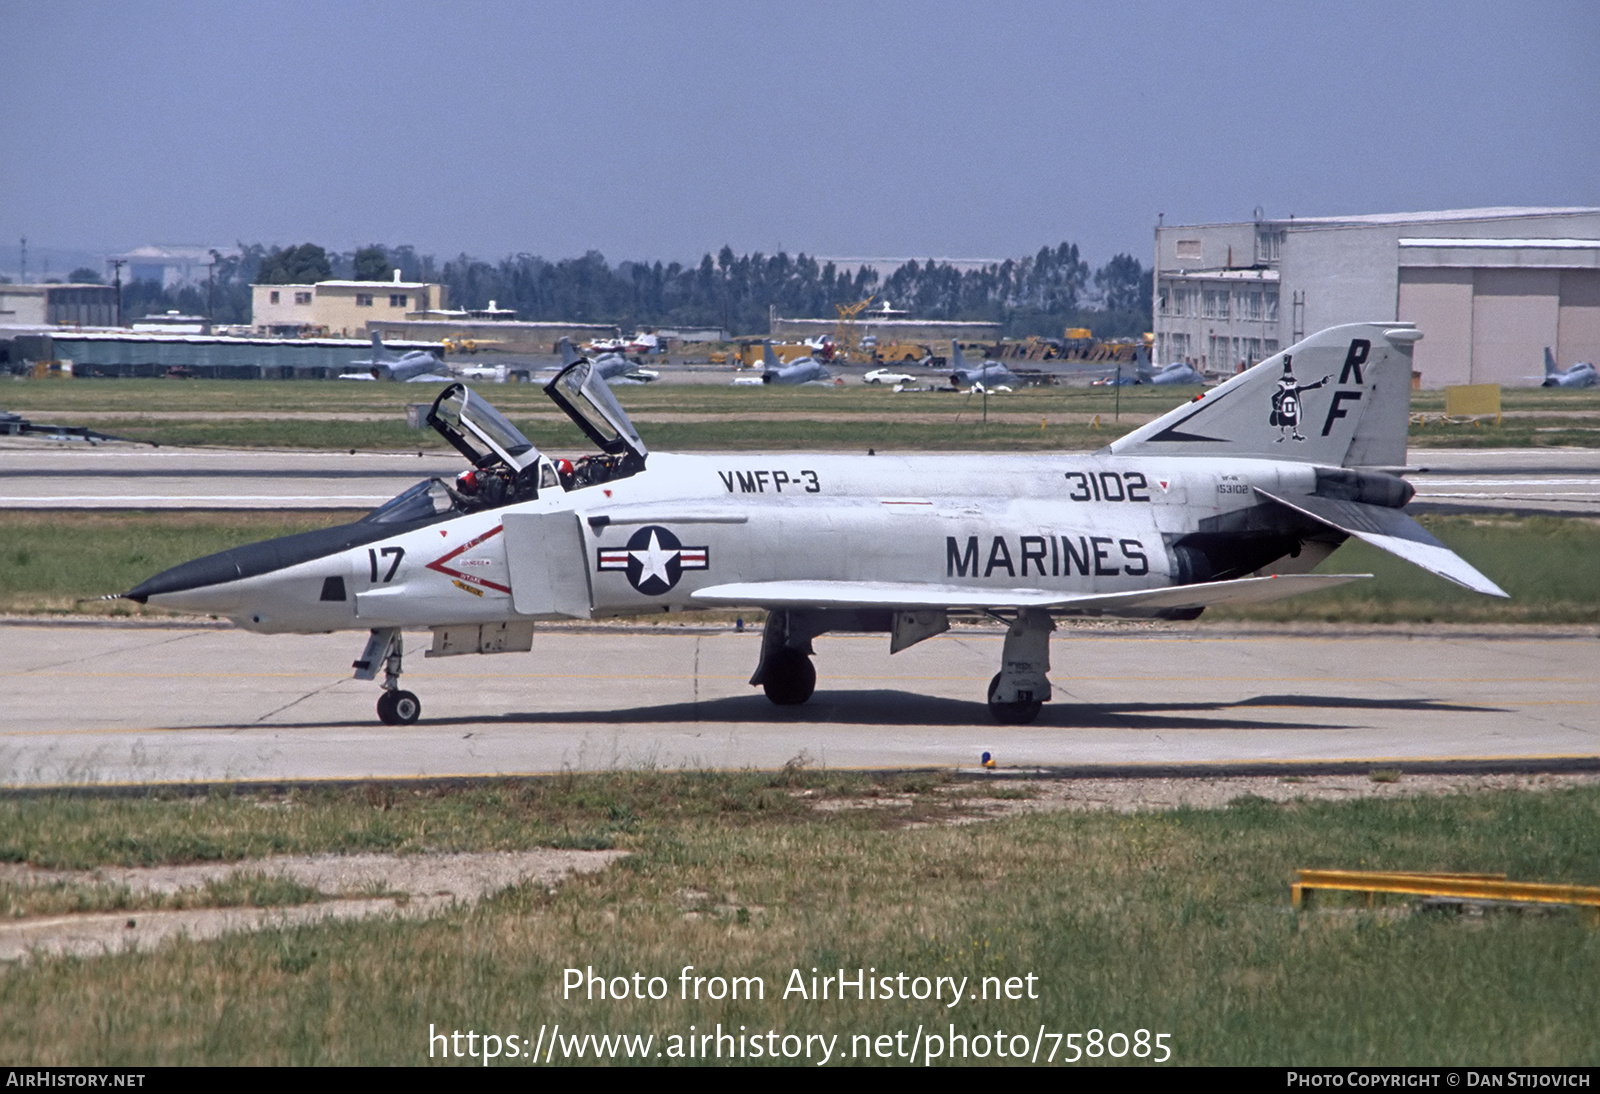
(957, 361)
(1549, 363)
(768, 358)
(1339, 398)
(569, 356)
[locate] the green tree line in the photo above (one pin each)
(1035, 294)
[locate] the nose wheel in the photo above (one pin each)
(398, 708)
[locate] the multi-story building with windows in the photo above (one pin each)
(341, 308)
(1489, 288)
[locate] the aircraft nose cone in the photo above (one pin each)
(255, 559)
(211, 570)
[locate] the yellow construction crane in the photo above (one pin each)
(846, 338)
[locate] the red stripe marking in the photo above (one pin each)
(439, 566)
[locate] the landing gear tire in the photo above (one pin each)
(1011, 714)
(398, 708)
(790, 678)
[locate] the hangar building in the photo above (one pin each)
(1489, 288)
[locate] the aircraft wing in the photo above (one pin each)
(918, 595)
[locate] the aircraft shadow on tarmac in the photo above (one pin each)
(887, 707)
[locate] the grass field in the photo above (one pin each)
(1174, 922)
(680, 417)
(1545, 563)
(62, 562)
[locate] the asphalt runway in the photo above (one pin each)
(53, 475)
(120, 704)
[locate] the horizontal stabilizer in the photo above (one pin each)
(1393, 531)
(914, 595)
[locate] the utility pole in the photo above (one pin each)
(211, 280)
(116, 264)
(22, 274)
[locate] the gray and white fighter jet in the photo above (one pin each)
(419, 366)
(1581, 374)
(1141, 372)
(612, 366)
(802, 370)
(990, 374)
(1208, 504)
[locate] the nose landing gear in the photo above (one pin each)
(395, 706)
(398, 708)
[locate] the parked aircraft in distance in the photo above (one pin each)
(1177, 373)
(1140, 372)
(416, 366)
(613, 367)
(802, 370)
(989, 374)
(1229, 498)
(1581, 374)
(646, 342)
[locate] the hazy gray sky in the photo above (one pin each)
(663, 130)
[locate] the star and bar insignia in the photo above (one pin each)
(654, 559)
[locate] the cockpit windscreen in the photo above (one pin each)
(424, 501)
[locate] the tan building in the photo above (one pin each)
(58, 305)
(341, 308)
(281, 309)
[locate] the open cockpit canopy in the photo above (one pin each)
(480, 432)
(507, 468)
(580, 391)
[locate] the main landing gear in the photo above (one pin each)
(1016, 694)
(790, 678)
(786, 673)
(1022, 685)
(395, 706)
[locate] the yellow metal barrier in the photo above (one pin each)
(1463, 886)
(1466, 400)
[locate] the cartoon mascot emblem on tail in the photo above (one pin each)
(1286, 402)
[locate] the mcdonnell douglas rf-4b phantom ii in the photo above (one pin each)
(1230, 498)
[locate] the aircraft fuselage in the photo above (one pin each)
(1076, 524)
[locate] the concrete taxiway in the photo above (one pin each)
(180, 703)
(44, 475)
